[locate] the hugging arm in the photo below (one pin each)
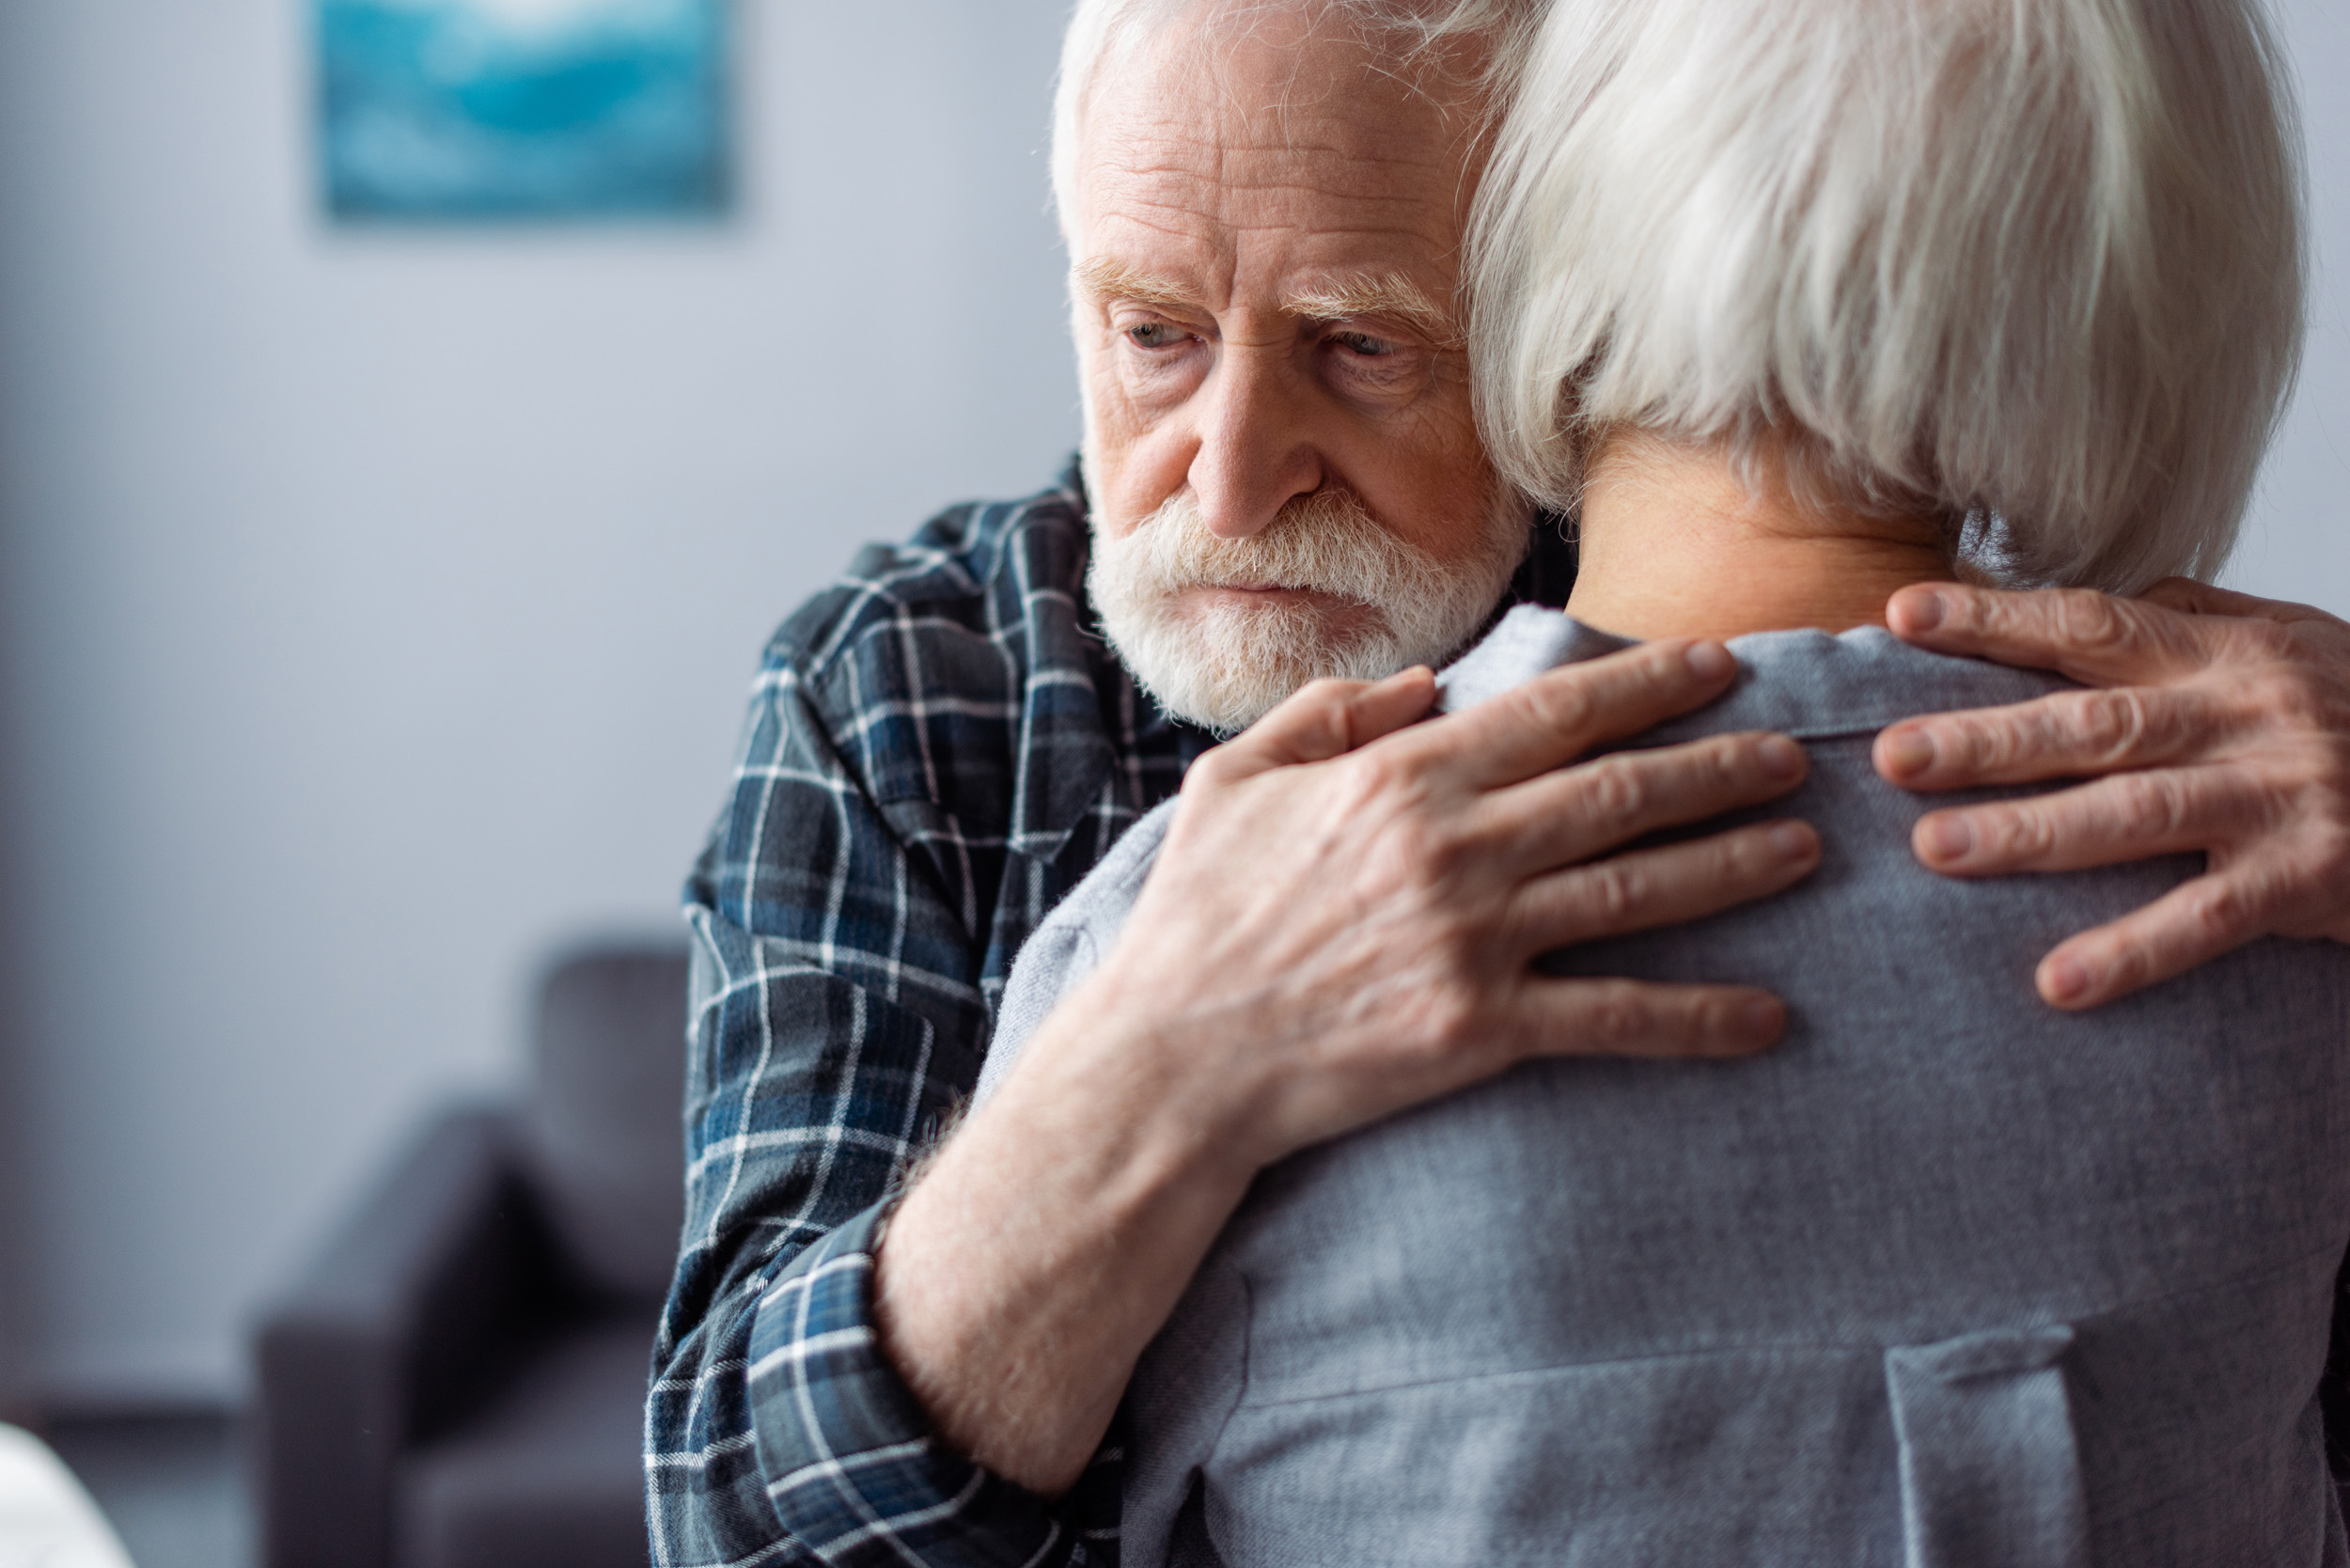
(835, 1023)
(1339, 925)
(1343, 932)
(2215, 722)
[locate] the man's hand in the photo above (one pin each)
(1339, 925)
(2219, 723)
(1337, 930)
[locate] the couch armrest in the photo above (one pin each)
(398, 1326)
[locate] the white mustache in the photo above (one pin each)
(1325, 542)
(1225, 666)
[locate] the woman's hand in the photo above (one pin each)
(2218, 722)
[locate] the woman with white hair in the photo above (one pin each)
(1793, 305)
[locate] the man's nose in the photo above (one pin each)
(1255, 452)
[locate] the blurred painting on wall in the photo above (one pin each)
(522, 109)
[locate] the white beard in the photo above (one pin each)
(1224, 664)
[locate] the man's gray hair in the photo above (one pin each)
(2033, 262)
(1101, 32)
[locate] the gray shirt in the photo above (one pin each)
(1950, 1279)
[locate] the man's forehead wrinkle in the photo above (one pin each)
(1212, 169)
(1447, 79)
(1364, 240)
(1191, 200)
(1317, 254)
(1340, 136)
(1308, 199)
(1158, 167)
(1318, 96)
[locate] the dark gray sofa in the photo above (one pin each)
(458, 1379)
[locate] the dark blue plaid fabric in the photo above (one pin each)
(939, 748)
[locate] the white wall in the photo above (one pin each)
(375, 608)
(378, 607)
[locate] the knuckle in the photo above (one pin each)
(1615, 793)
(1981, 745)
(1562, 705)
(1618, 892)
(1744, 857)
(2217, 910)
(2113, 723)
(1371, 774)
(1730, 764)
(1612, 1020)
(2154, 805)
(1451, 1021)
(1215, 767)
(2259, 639)
(1426, 851)
(2290, 697)
(2020, 835)
(2093, 622)
(1438, 854)
(2121, 966)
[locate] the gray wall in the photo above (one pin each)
(379, 607)
(375, 609)
(16, 1168)
(2297, 542)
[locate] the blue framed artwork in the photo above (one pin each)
(522, 109)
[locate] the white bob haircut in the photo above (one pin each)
(1103, 32)
(2034, 265)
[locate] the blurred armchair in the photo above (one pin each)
(459, 1380)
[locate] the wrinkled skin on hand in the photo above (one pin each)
(2215, 722)
(1339, 929)
(1338, 926)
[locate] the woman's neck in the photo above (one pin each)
(1676, 543)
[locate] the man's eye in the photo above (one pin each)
(1154, 334)
(1363, 344)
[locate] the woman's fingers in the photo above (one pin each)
(1561, 713)
(2188, 927)
(2093, 637)
(2230, 734)
(1638, 1018)
(2065, 735)
(1574, 813)
(1665, 886)
(2107, 822)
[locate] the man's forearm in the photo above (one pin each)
(1039, 1253)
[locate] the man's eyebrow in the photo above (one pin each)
(1104, 279)
(1390, 295)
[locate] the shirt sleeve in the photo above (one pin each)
(835, 1024)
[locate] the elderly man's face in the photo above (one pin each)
(1286, 480)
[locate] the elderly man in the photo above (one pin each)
(1263, 205)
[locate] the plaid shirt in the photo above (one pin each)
(938, 749)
